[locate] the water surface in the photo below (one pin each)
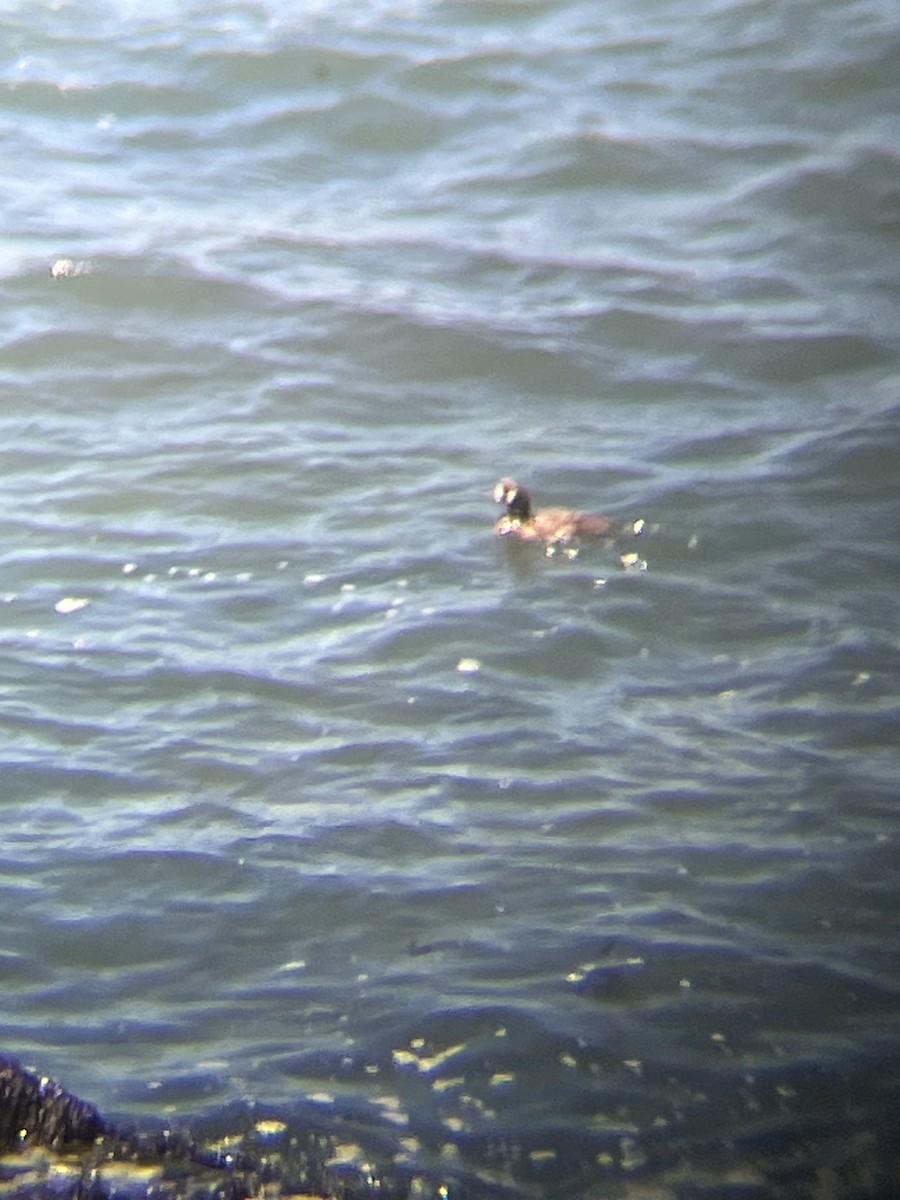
(616, 913)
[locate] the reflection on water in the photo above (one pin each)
(613, 910)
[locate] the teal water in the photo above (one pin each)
(284, 294)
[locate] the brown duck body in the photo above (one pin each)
(553, 525)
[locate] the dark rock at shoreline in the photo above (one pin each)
(39, 1111)
(54, 1145)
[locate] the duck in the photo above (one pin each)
(553, 526)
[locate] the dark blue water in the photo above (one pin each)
(614, 910)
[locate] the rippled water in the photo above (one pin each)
(284, 295)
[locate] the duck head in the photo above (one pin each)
(515, 498)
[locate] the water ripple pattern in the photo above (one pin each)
(577, 878)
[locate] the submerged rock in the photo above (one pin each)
(53, 1144)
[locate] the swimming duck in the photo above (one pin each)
(554, 526)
